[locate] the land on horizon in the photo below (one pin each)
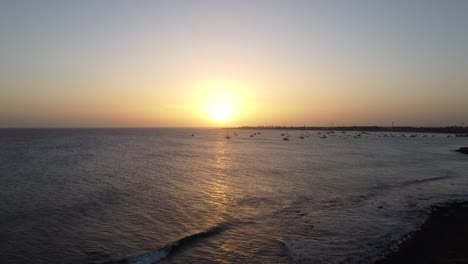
(414, 129)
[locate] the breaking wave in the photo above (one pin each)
(170, 249)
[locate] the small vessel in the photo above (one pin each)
(227, 137)
(463, 150)
(302, 134)
(286, 138)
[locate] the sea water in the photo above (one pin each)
(165, 196)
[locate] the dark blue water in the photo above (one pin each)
(163, 196)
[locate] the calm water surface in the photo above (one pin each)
(161, 195)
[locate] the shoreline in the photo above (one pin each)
(442, 238)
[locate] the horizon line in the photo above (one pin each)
(231, 127)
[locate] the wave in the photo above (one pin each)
(294, 207)
(287, 252)
(412, 182)
(447, 176)
(170, 249)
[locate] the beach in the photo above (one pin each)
(443, 238)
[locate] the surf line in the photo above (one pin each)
(170, 249)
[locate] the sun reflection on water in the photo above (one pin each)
(219, 188)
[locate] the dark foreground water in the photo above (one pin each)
(161, 195)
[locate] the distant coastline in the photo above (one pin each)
(407, 129)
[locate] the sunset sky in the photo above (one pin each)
(233, 63)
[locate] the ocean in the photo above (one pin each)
(165, 196)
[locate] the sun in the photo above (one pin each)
(223, 101)
(221, 105)
(221, 112)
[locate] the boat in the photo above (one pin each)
(463, 150)
(302, 134)
(286, 138)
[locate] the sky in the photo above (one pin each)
(233, 63)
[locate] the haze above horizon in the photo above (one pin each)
(233, 63)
